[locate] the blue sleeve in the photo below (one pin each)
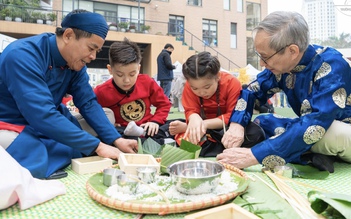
(259, 90)
(85, 100)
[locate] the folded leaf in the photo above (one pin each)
(188, 146)
(321, 201)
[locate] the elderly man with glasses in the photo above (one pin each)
(317, 82)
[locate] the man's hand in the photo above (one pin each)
(107, 151)
(234, 136)
(126, 145)
(238, 157)
(151, 127)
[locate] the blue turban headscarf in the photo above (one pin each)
(87, 21)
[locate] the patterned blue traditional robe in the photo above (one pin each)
(33, 81)
(318, 90)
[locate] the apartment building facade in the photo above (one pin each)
(321, 18)
(221, 27)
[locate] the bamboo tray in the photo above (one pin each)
(96, 190)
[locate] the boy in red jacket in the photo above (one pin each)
(130, 95)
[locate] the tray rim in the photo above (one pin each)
(163, 209)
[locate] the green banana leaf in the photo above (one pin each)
(140, 147)
(171, 154)
(187, 146)
(307, 172)
(333, 204)
(150, 146)
(242, 184)
(262, 201)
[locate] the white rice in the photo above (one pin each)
(163, 183)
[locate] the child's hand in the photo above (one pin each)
(151, 128)
(196, 129)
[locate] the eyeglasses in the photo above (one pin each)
(265, 60)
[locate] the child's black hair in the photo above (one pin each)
(201, 65)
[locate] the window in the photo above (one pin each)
(68, 5)
(209, 32)
(129, 14)
(195, 2)
(108, 11)
(233, 36)
(123, 13)
(134, 17)
(252, 58)
(240, 5)
(110, 16)
(113, 13)
(226, 5)
(253, 16)
(176, 27)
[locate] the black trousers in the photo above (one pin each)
(253, 135)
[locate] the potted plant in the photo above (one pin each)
(17, 13)
(6, 14)
(132, 28)
(50, 17)
(123, 26)
(145, 28)
(38, 17)
(112, 26)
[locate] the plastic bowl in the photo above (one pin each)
(194, 177)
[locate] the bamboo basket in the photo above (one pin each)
(163, 209)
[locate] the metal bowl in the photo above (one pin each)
(127, 183)
(147, 174)
(110, 176)
(193, 177)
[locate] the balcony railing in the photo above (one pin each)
(29, 14)
(54, 17)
